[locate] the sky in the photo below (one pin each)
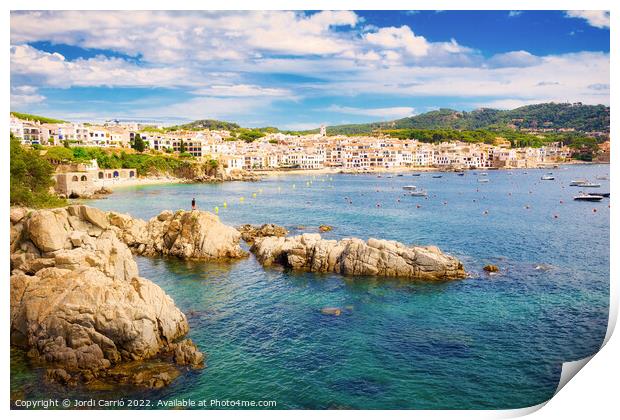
(297, 70)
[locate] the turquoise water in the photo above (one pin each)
(484, 342)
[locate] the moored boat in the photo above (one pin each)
(420, 193)
(409, 187)
(416, 174)
(547, 178)
(590, 185)
(437, 176)
(578, 182)
(483, 180)
(588, 197)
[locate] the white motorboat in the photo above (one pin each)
(410, 187)
(547, 178)
(483, 180)
(420, 193)
(588, 197)
(578, 182)
(590, 185)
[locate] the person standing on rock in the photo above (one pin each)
(193, 203)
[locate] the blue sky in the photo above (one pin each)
(297, 70)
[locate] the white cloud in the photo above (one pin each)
(514, 59)
(401, 38)
(391, 112)
(53, 70)
(596, 18)
(25, 95)
(242, 90)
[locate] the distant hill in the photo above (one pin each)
(548, 115)
(31, 117)
(208, 125)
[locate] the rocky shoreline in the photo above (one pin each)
(80, 308)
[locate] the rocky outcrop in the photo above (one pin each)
(78, 303)
(219, 174)
(352, 256)
(250, 232)
(197, 235)
(491, 268)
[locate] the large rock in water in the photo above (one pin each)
(185, 234)
(250, 232)
(78, 303)
(352, 256)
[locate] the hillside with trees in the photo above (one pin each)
(583, 118)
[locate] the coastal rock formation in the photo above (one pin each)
(77, 301)
(325, 228)
(352, 256)
(184, 234)
(250, 232)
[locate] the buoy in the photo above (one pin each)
(225, 204)
(594, 210)
(445, 203)
(253, 195)
(555, 216)
(486, 212)
(241, 199)
(527, 207)
(561, 202)
(217, 209)
(418, 206)
(293, 186)
(260, 190)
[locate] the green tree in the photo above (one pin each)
(31, 178)
(182, 147)
(138, 143)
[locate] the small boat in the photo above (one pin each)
(409, 187)
(602, 177)
(588, 197)
(437, 176)
(578, 182)
(379, 176)
(420, 193)
(399, 175)
(461, 173)
(590, 185)
(547, 178)
(482, 180)
(415, 174)
(483, 174)
(389, 176)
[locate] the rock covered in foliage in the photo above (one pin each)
(352, 256)
(250, 232)
(77, 301)
(192, 234)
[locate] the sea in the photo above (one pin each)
(490, 341)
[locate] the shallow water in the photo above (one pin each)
(484, 342)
